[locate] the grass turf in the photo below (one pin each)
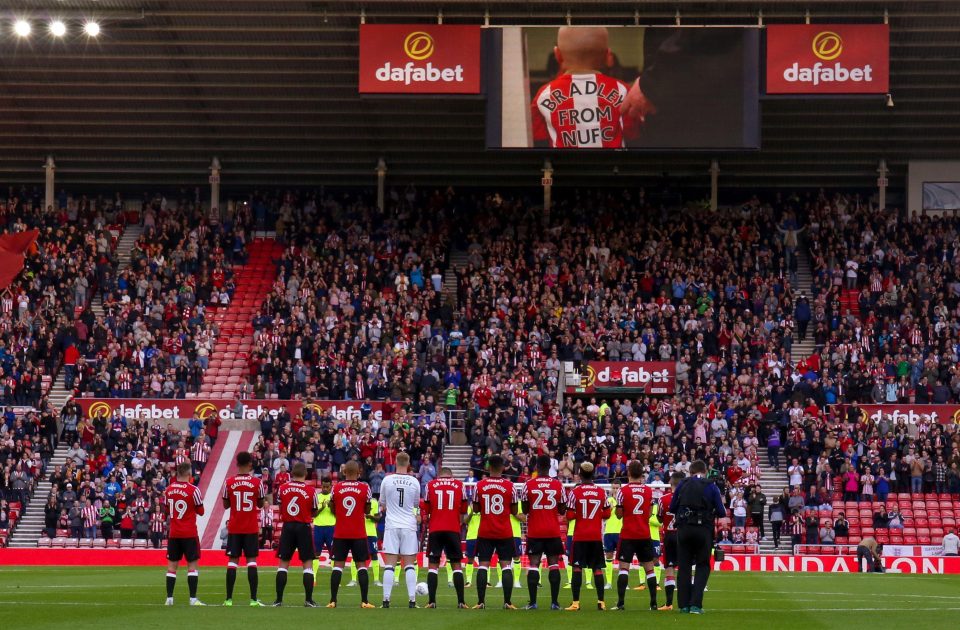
(88, 597)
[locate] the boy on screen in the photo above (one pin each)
(582, 107)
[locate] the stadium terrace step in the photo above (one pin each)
(30, 525)
(458, 259)
(228, 360)
(458, 459)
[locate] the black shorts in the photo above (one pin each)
(444, 543)
(670, 549)
(296, 537)
(183, 549)
(549, 547)
(504, 547)
(359, 548)
(246, 544)
(588, 554)
(644, 550)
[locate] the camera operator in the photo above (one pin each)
(696, 504)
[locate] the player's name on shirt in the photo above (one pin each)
(550, 99)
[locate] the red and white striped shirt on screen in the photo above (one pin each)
(580, 111)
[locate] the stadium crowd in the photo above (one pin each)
(155, 340)
(359, 312)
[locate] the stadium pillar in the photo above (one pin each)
(381, 182)
(882, 184)
(215, 189)
(714, 180)
(49, 167)
(547, 182)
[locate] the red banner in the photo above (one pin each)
(835, 564)
(912, 414)
(170, 410)
(419, 59)
(638, 377)
(828, 59)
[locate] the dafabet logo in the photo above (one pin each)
(827, 45)
(828, 59)
(424, 59)
(418, 45)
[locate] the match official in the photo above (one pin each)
(696, 504)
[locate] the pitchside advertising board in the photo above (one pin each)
(630, 378)
(913, 414)
(828, 59)
(166, 410)
(419, 59)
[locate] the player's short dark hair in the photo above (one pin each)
(184, 469)
(326, 480)
(299, 470)
(446, 471)
(699, 467)
(543, 464)
(635, 470)
(244, 459)
(495, 463)
(677, 477)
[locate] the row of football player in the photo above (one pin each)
(444, 506)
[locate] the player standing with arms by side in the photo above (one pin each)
(669, 530)
(444, 508)
(298, 507)
(494, 501)
(544, 501)
(399, 500)
(323, 525)
(587, 506)
(634, 504)
(611, 533)
(350, 502)
(243, 495)
(183, 503)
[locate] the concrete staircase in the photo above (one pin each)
(803, 349)
(30, 524)
(123, 252)
(458, 259)
(457, 458)
(772, 483)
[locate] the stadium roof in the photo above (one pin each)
(269, 86)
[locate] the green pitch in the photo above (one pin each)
(101, 597)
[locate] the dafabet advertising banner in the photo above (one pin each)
(419, 59)
(828, 59)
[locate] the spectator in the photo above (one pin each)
(827, 533)
(841, 526)
(951, 544)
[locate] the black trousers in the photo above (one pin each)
(694, 544)
(865, 560)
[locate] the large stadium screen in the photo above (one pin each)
(586, 87)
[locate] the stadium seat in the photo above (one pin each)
(44, 542)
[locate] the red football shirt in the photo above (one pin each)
(297, 502)
(543, 501)
(493, 500)
(636, 500)
(581, 111)
(244, 493)
(445, 503)
(588, 505)
(666, 518)
(184, 503)
(350, 500)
